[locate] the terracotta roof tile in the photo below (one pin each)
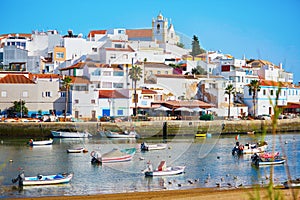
(96, 32)
(121, 94)
(15, 79)
(145, 91)
(189, 104)
(139, 33)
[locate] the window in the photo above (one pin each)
(25, 94)
(264, 92)
(59, 55)
(106, 85)
(271, 92)
(225, 99)
(94, 49)
(120, 112)
(118, 85)
(76, 101)
(3, 94)
(166, 72)
(158, 28)
(250, 92)
(93, 101)
(158, 72)
(97, 72)
(118, 73)
(118, 45)
(62, 94)
(106, 73)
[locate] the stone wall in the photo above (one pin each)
(150, 128)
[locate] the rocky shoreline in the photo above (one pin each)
(151, 128)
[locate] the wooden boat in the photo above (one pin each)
(77, 150)
(115, 155)
(70, 133)
(112, 134)
(260, 160)
(250, 132)
(162, 170)
(42, 179)
(292, 183)
(40, 143)
(149, 147)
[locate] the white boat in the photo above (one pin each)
(260, 160)
(149, 147)
(77, 150)
(69, 133)
(292, 183)
(112, 134)
(115, 155)
(240, 149)
(162, 170)
(43, 180)
(40, 143)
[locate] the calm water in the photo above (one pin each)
(208, 161)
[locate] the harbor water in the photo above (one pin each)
(208, 162)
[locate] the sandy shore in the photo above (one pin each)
(199, 193)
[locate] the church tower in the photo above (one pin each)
(160, 29)
(162, 32)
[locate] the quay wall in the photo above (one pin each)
(150, 128)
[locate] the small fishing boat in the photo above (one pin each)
(70, 133)
(149, 147)
(292, 183)
(125, 134)
(40, 143)
(77, 150)
(115, 155)
(249, 148)
(259, 160)
(43, 179)
(163, 170)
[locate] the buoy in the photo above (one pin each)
(11, 161)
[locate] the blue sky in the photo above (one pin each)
(258, 29)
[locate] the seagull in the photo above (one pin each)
(229, 184)
(190, 181)
(179, 185)
(218, 184)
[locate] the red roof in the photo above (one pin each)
(96, 32)
(139, 33)
(145, 91)
(118, 94)
(15, 79)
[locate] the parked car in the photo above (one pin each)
(264, 117)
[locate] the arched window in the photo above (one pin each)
(158, 28)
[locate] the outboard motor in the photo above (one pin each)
(20, 178)
(255, 159)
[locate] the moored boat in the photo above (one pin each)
(115, 155)
(292, 183)
(259, 160)
(77, 150)
(163, 170)
(43, 179)
(70, 133)
(112, 134)
(40, 143)
(149, 147)
(249, 148)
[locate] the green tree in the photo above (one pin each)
(18, 107)
(179, 44)
(254, 88)
(135, 74)
(196, 49)
(229, 90)
(66, 83)
(198, 71)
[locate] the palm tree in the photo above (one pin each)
(135, 75)
(254, 88)
(66, 83)
(229, 90)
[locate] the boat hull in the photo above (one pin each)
(150, 147)
(77, 150)
(168, 172)
(123, 155)
(110, 134)
(64, 134)
(45, 180)
(40, 143)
